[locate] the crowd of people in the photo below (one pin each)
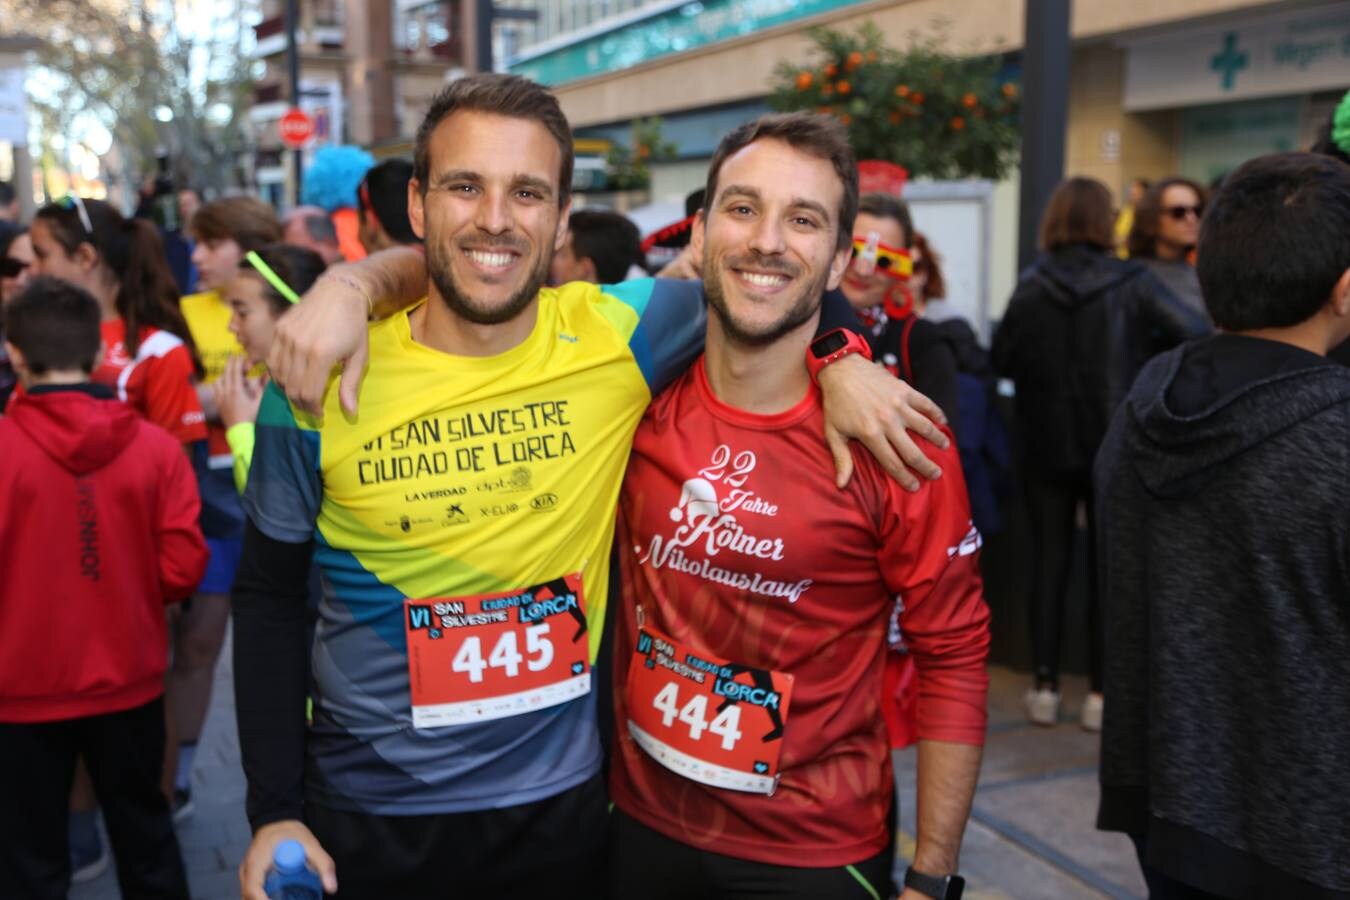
(547, 576)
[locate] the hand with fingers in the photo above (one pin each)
(237, 395)
(866, 403)
(258, 859)
(326, 328)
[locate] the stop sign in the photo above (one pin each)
(296, 128)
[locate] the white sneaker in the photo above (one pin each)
(88, 863)
(1091, 716)
(1042, 706)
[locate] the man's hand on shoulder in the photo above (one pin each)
(865, 402)
(327, 327)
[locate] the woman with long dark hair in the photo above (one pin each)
(149, 359)
(1078, 329)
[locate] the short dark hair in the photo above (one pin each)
(297, 267)
(820, 135)
(1143, 240)
(610, 240)
(55, 325)
(1080, 211)
(385, 193)
(887, 206)
(1274, 242)
(502, 95)
(247, 221)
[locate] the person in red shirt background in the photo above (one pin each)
(98, 533)
(752, 757)
(149, 359)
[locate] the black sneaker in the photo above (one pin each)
(182, 805)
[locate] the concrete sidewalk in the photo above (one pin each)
(1030, 837)
(1031, 834)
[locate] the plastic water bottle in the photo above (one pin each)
(290, 878)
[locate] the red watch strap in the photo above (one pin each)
(854, 343)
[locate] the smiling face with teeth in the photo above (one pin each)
(490, 214)
(771, 241)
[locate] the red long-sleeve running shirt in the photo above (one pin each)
(751, 583)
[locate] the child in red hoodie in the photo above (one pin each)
(98, 532)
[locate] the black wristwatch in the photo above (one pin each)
(939, 887)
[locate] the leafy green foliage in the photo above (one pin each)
(629, 168)
(151, 77)
(938, 114)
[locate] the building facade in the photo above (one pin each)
(1156, 87)
(368, 72)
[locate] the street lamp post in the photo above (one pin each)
(293, 65)
(1045, 103)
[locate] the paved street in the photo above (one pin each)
(1030, 838)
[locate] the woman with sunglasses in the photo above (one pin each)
(1164, 234)
(16, 270)
(149, 359)
(877, 284)
(1079, 327)
(16, 261)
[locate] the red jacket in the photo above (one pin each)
(98, 531)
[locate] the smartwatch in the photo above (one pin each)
(832, 346)
(939, 887)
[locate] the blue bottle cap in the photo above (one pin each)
(289, 857)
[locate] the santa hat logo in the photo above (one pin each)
(697, 498)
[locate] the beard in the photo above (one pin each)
(457, 299)
(800, 310)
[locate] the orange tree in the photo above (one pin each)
(629, 168)
(937, 114)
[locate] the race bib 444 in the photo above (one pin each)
(489, 656)
(707, 719)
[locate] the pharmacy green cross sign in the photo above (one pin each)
(1229, 61)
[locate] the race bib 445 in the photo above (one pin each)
(707, 719)
(489, 656)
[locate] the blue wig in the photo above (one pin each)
(333, 177)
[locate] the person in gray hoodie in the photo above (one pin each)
(1223, 512)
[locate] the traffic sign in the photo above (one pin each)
(296, 128)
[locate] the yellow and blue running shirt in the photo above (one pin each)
(461, 477)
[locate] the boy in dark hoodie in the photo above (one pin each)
(1223, 506)
(98, 532)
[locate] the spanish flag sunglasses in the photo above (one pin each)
(870, 255)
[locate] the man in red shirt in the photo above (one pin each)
(751, 757)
